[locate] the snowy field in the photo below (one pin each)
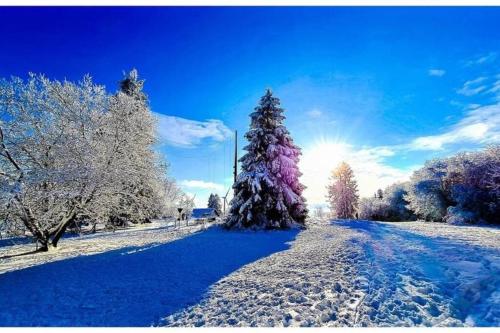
(346, 273)
(21, 253)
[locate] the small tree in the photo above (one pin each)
(343, 192)
(214, 202)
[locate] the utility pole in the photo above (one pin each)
(235, 171)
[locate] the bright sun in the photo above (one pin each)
(317, 163)
(370, 169)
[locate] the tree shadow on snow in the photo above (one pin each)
(135, 286)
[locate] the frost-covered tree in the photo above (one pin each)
(51, 157)
(186, 203)
(215, 203)
(171, 194)
(462, 188)
(396, 205)
(132, 123)
(386, 206)
(70, 152)
(268, 193)
(373, 209)
(491, 180)
(426, 191)
(343, 192)
(470, 186)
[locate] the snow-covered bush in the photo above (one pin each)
(372, 208)
(458, 216)
(343, 192)
(463, 188)
(395, 203)
(425, 191)
(268, 193)
(387, 205)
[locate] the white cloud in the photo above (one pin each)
(201, 184)
(369, 166)
(483, 59)
(183, 132)
(315, 113)
(473, 87)
(437, 72)
(495, 88)
(480, 125)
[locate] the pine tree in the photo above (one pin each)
(343, 192)
(214, 202)
(268, 193)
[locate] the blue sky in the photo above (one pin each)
(383, 88)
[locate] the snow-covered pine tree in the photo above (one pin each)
(343, 192)
(268, 193)
(214, 202)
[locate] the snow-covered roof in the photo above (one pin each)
(203, 212)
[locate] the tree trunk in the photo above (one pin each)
(57, 234)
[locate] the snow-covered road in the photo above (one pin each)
(350, 273)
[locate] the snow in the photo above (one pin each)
(22, 255)
(360, 273)
(132, 285)
(345, 273)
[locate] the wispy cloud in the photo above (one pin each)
(437, 72)
(181, 132)
(371, 167)
(315, 113)
(473, 87)
(495, 88)
(480, 125)
(483, 59)
(201, 184)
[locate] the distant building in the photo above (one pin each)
(204, 213)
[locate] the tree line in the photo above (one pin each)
(72, 153)
(461, 189)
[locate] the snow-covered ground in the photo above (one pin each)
(23, 253)
(346, 273)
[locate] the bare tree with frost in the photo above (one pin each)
(69, 152)
(52, 157)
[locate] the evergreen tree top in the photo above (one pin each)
(268, 114)
(131, 85)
